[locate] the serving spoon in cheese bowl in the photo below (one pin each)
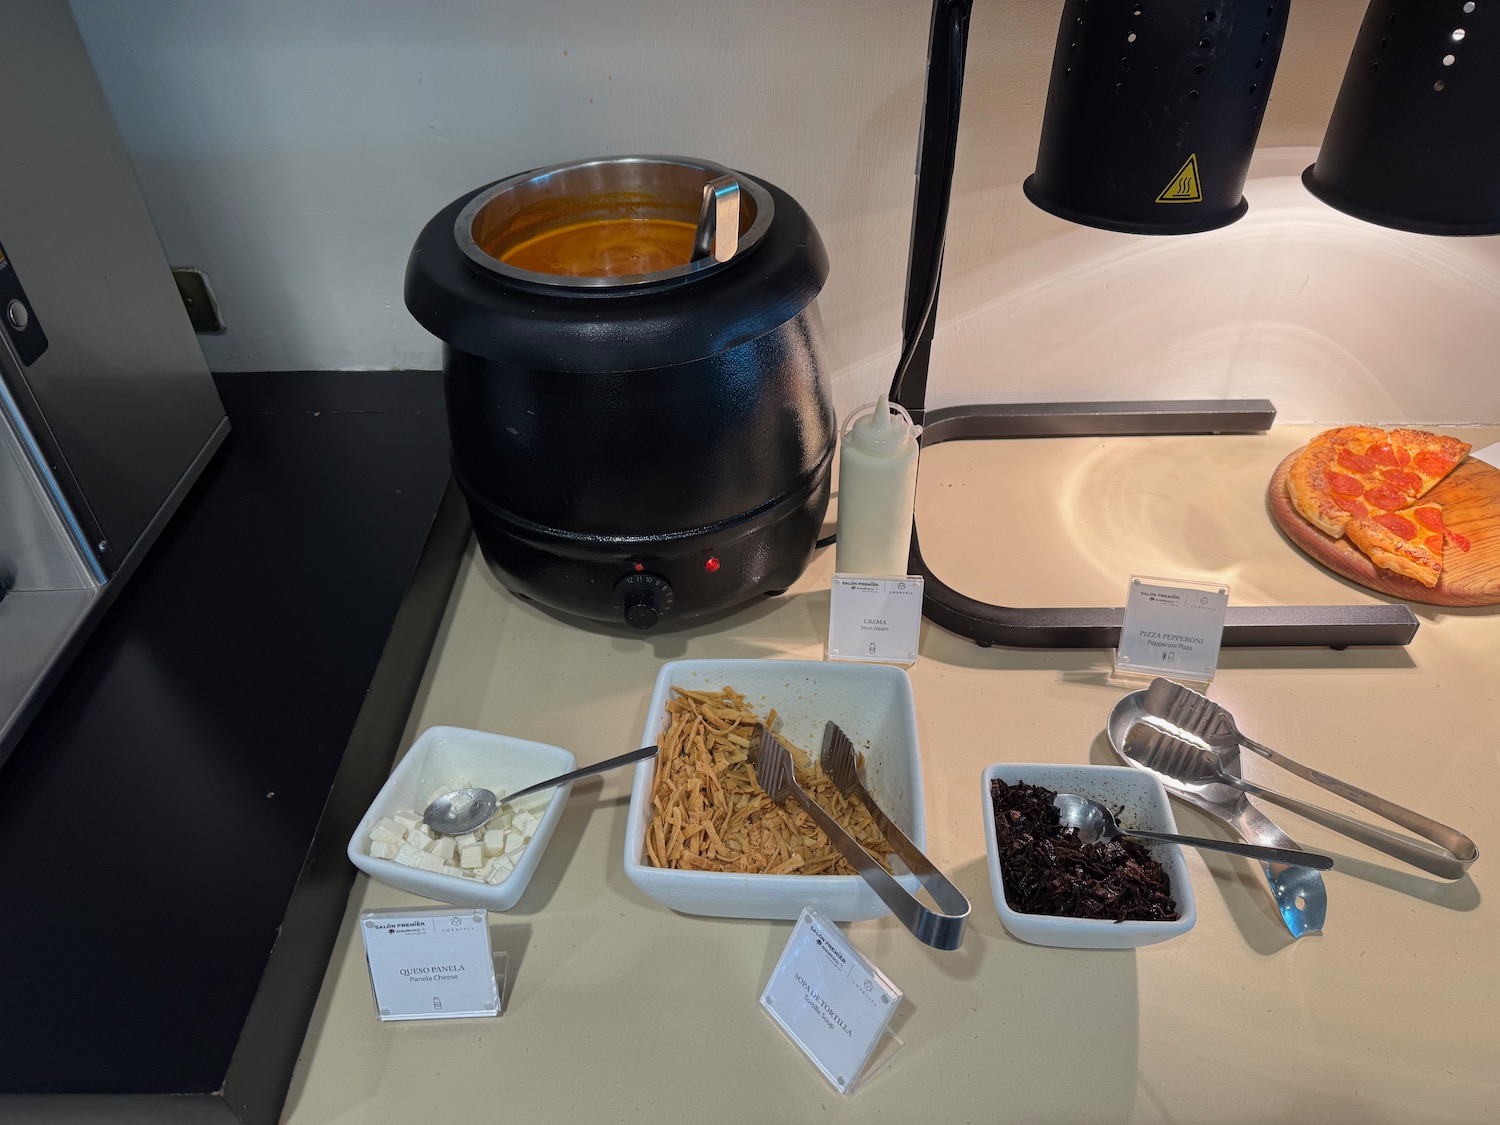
(473, 807)
(1095, 824)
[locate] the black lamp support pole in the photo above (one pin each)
(1244, 626)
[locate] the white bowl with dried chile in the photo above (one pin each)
(1049, 889)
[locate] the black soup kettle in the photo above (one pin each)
(639, 415)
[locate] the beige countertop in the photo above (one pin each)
(620, 1009)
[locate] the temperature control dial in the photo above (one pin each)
(644, 598)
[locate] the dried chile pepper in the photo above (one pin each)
(1045, 870)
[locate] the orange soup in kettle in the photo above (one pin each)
(606, 248)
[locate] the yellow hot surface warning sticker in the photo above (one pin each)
(1185, 186)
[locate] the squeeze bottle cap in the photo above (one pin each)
(881, 433)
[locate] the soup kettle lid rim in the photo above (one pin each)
(487, 264)
(600, 330)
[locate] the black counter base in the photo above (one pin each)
(175, 816)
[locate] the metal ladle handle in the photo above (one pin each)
(586, 771)
(718, 228)
(1291, 856)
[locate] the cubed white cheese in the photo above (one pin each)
(388, 831)
(500, 872)
(384, 849)
(443, 847)
(470, 855)
(419, 840)
(409, 855)
(407, 819)
(429, 862)
(494, 842)
(526, 823)
(466, 839)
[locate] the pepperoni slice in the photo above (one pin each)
(1433, 463)
(1434, 543)
(1341, 485)
(1386, 496)
(1409, 483)
(1381, 453)
(1399, 526)
(1352, 505)
(1403, 456)
(1431, 517)
(1355, 462)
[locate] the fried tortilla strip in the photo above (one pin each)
(709, 814)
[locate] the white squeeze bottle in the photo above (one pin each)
(877, 490)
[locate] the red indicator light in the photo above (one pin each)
(711, 564)
(639, 567)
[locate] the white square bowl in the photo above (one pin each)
(446, 758)
(1139, 801)
(873, 703)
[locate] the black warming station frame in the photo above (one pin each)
(1336, 626)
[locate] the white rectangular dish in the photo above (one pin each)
(443, 759)
(874, 705)
(1139, 801)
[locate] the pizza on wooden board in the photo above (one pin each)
(1361, 483)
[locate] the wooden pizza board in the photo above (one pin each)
(1470, 497)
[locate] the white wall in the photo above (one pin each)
(294, 149)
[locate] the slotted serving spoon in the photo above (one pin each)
(771, 762)
(1299, 892)
(1200, 718)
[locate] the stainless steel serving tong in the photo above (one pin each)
(942, 928)
(841, 764)
(1199, 733)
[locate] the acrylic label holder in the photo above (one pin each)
(831, 1002)
(875, 619)
(1172, 628)
(432, 964)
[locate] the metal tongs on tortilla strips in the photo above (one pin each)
(1212, 736)
(942, 928)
